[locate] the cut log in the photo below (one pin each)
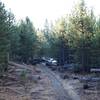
(91, 79)
(95, 70)
(90, 91)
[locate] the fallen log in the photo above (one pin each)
(14, 90)
(91, 91)
(95, 70)
(20, 66)
(91, 79)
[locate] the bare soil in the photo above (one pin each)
(34, 85)
(92, 93)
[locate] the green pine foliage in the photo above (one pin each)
(71, 39)
(27, 40)
(6, 20)
(76, 38)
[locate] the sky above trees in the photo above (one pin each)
(39, 10)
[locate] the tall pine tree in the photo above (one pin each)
(81, 29)
(6, 21)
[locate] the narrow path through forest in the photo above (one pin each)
(62, 92)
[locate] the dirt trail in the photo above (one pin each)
(63, 89)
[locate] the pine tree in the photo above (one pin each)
(81, 29)
(6, 21)
(28, 39)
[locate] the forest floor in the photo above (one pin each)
(72, 83)
(26, 82)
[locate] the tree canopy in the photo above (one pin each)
(74, 38)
